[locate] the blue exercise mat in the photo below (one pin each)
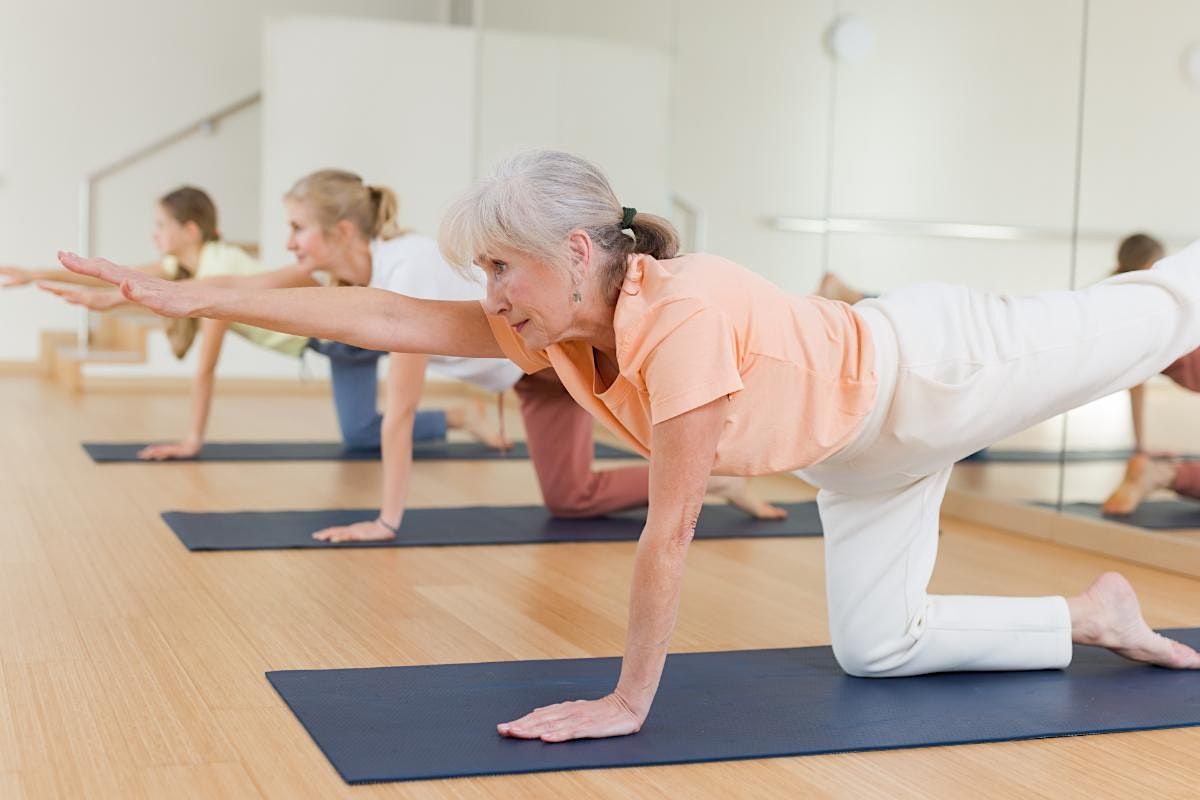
(425, 527)
(113, 452)
(415, 723)
(1155, 515)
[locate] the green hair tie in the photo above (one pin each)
(627, 215)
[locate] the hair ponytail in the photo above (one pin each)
(334, 195)
(387, 210)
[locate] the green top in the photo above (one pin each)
(222, 258)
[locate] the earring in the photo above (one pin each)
(577, 297)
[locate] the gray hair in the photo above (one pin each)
(533, 201)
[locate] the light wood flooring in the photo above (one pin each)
(132, 668)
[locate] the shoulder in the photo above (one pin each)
(222, 258)
(662, 292)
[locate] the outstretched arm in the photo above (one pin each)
(281, 278)
(682, 454)
(370, 318)
(19, 276)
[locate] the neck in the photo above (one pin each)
(594, 325)
(358, 256)
(189, 255)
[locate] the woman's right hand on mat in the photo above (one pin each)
(188, 448)
(94, 299)
(168, 298)
(370, 531)
(15, 276)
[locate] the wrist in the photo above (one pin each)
(638, 705)
(387, 526)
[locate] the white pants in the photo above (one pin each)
(959, 370)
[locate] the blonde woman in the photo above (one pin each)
(707, 367)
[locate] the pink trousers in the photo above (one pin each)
(559, 435)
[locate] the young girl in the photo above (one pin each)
(186, 234)
(707, 367)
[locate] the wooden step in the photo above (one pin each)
(68, 360)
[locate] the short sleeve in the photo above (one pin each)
(514, 349)
(170, 267)
(685, 354)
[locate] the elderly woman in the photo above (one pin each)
(708, 368)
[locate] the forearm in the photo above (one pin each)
(653, 610)
(282, 278)
(397, 465)
(65, 276)
(373, 319)
(202, 391)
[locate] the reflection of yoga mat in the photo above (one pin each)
(107, 452)
(423, 527)
(992, 455)
(412, 723)
(1156, 515)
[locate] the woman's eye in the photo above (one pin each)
(498, 267)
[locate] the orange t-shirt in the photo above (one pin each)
(798, 370)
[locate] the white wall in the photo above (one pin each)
(398, 110)
(1141, 139)
(416, 107)
(81, 84)
(749, 128)
(541, 91)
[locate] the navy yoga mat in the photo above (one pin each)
(1156, 515)
(109, 452)
(413, 723)
(422, 527)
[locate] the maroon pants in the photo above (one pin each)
(559, 435)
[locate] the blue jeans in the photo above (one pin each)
(355, 383)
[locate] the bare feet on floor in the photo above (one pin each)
(1143, 475)
(833, 288)
(736, 492)
(471, 418)
(1108, 615)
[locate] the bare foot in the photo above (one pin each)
(471, 418)
(1143, 475)
(736, 492)
(833, 288)
(1108, 615)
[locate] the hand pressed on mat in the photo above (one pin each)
(368, 531)
(576, 719)
(188, 448)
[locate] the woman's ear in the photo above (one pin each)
(579, 245)
(192, 231)
(345, 230)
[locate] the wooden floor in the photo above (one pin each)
(129, 667)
